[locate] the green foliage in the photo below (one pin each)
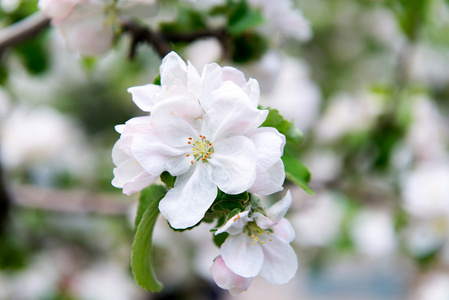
(168, 179)
(410, 15)
(248, 47)
(292, 133)
(242, 18)
(220, 238)
(34, 55)
(297, 172)
(157, 80)
(226, 206)
(187, 20)
(141, 258)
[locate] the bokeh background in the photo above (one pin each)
(369, 89)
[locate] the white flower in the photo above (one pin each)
(204, 130)
(88, 25)
(129, 175)
(260, 245)
(282, 17)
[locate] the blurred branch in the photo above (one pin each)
(23, 30)
(72, 201)
(161, 41)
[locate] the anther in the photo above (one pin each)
(191, 162)
(187, 155)
(261, 242)
(271, 240)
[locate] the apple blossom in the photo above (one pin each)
(257, 244)
(203, 129)
(88, 25)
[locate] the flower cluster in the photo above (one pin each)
(204, 130)
(88, 25)
(258, 244)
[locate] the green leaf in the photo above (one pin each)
(275, 119)
(242, 17)
(297, 172)
(157, 80)
(220, 238)
(248, 47)
(168, 179)
(141, 258)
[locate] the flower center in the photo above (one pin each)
(258, 234)
(201, 149)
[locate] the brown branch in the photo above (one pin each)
(71, 201)
(22, 31)
(5, 203)
(161, 41)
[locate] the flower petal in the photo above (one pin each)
(176, 119)
(173, 70)
(284, 230)
(156, 156)
(280, 261)
(242, 256)
(85, 31)
(233, 164)
(226, 279)
(187, 202)
(278, 210)
(269, 144)
(231, 116)
(269, 181)
(235, 224)
(145, 96)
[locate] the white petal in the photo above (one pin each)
(269, 144)
(85, 30)
(280, 261)
(269, 181)
(233, 164)
(226, 279)
(155, 156)
(277, 211)
(187, 202)
(253, 91)
(145, 96)
(263, 221)
(173, 70)
(193, 80)
(284, 230)
(229, 116)
(138, 183)
(241, 255)
(176, 119)
(235, 224)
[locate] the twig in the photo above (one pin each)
(23, 30)
(71, 201)
(5, 203)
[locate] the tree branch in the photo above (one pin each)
(22, 31)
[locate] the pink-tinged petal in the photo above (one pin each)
(269, 181)
(278, 210)
(210, 81)
(192, 195)
(85, 30)
(234, 75)
(145, 96)
(173, 71)
(280, 261)
(56, 9)
(229, 117)
(233, 164)
(242, 256)
(235, 224)
(176, 119)
(226, 279)
(156, 156)
(129, 175)
(284, 230)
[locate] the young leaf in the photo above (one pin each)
(141, 258)
(287, 128)
(242, 17)
(297, 172)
